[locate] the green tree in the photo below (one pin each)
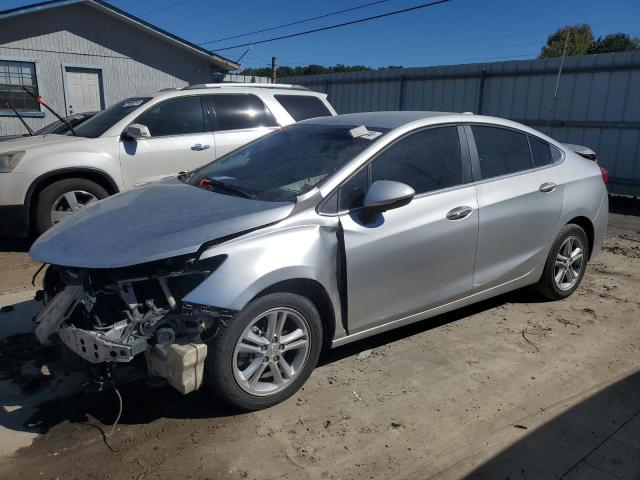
(313, 69)
(579, 42)
(615, 42)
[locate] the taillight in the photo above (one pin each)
(605, 175)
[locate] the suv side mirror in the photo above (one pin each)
(136, 130)
(386, 195)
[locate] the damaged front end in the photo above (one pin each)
(131, 322)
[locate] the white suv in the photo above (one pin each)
(44, 179)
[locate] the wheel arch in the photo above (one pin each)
(317, 294)
(587, 225)
(96, 175)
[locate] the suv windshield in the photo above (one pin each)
(285, 164)
(58, 127)
(103, 121)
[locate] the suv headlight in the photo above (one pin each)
(9, 161)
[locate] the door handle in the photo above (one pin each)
(199, 147)
(547, 187)
(459, 213)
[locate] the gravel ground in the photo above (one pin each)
(513, 387)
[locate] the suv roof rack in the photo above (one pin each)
(241, 84)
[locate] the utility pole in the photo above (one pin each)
(274, 65)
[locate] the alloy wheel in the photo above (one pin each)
(271, 351)
(69, 203)
(569, 263)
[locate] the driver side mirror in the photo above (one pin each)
(135, 131)
(386, 195)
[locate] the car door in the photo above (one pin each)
(239, 118)
(520, 195)
(181, 139)
(418, 256)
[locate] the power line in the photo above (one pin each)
(296, 22)
(440, 44)
(330, 27)
(168, 7)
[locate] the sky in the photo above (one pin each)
(460, 31)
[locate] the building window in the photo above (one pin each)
(14, 76)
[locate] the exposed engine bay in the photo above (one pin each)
(133, 315)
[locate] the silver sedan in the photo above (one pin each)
(236, 275)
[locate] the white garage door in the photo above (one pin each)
(84, 90)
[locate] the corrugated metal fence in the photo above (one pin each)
(598, 101)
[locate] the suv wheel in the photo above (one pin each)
(63, 198)
(566, 263)
(265, 353)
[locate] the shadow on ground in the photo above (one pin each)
(9, 244)
(598, 438)
(624, 205)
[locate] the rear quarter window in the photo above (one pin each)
(540, 152)
(301, 107)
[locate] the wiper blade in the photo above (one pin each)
(211, 182)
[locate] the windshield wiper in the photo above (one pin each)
(212, 182)
(20, 118)
(41, 101)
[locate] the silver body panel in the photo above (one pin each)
(411, 263)
(415, 246)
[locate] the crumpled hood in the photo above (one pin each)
(156, 221)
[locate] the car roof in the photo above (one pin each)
(388, 120)
(397, 119)
(235, 87)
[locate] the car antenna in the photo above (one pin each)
(20, 118)
(41, 101)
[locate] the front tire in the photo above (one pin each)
(566, 263)
(265, 353)
(63, 198)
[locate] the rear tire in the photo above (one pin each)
(566, 263)
(242, 342)
(50, 198)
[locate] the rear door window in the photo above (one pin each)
(501, 151)
(177, 116)
(240, 112)
(301, 107)
(540, 152)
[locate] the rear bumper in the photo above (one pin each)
(14, 221)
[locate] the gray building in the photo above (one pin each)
(83, 55)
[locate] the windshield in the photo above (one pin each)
(51, 128)
(285, 164)
(60, 128)
(103, 121)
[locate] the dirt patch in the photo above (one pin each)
(626, 245)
